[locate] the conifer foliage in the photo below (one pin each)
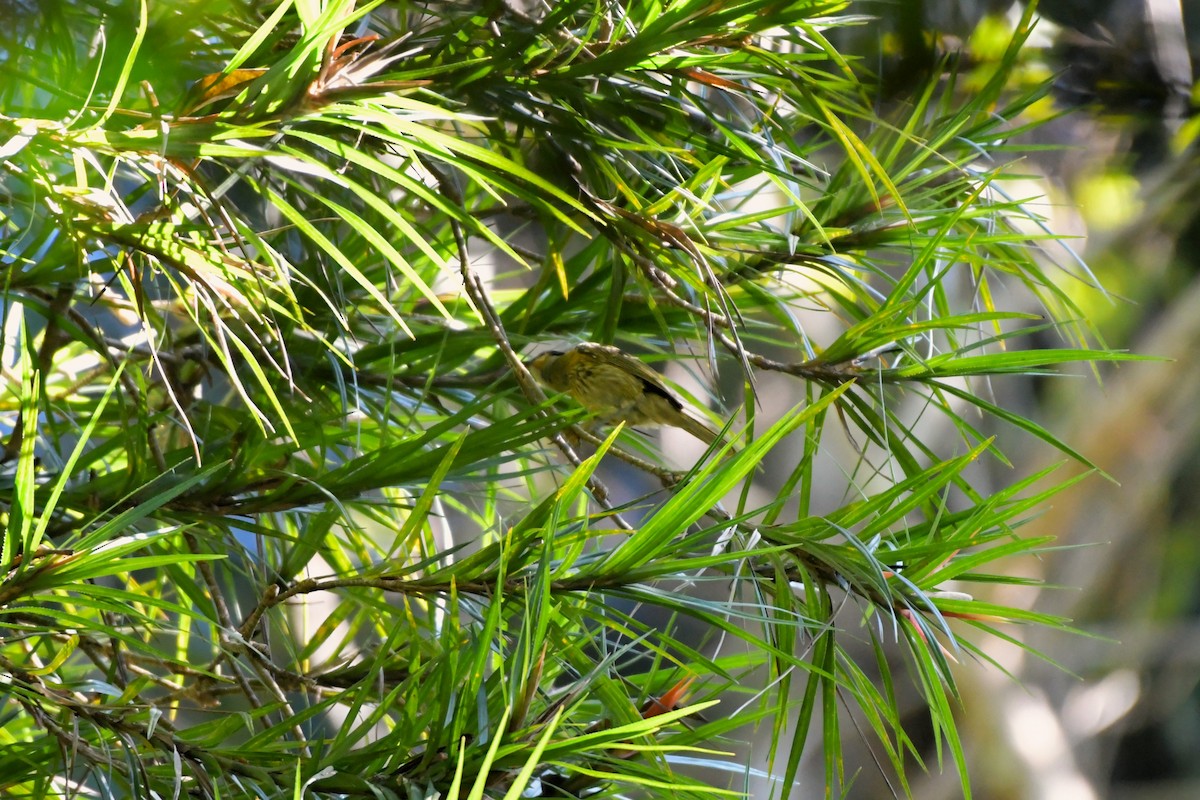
(284, 512)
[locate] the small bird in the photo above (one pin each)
(617, 387)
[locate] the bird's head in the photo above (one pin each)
(537, 365)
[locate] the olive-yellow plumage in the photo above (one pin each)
(617, 387)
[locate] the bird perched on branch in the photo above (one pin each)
(617, 387)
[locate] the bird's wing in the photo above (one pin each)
(633, 366)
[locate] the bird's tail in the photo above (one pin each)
(701, 430)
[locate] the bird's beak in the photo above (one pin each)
(535, 364)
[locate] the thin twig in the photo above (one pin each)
(814, 370)
(478, 294)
